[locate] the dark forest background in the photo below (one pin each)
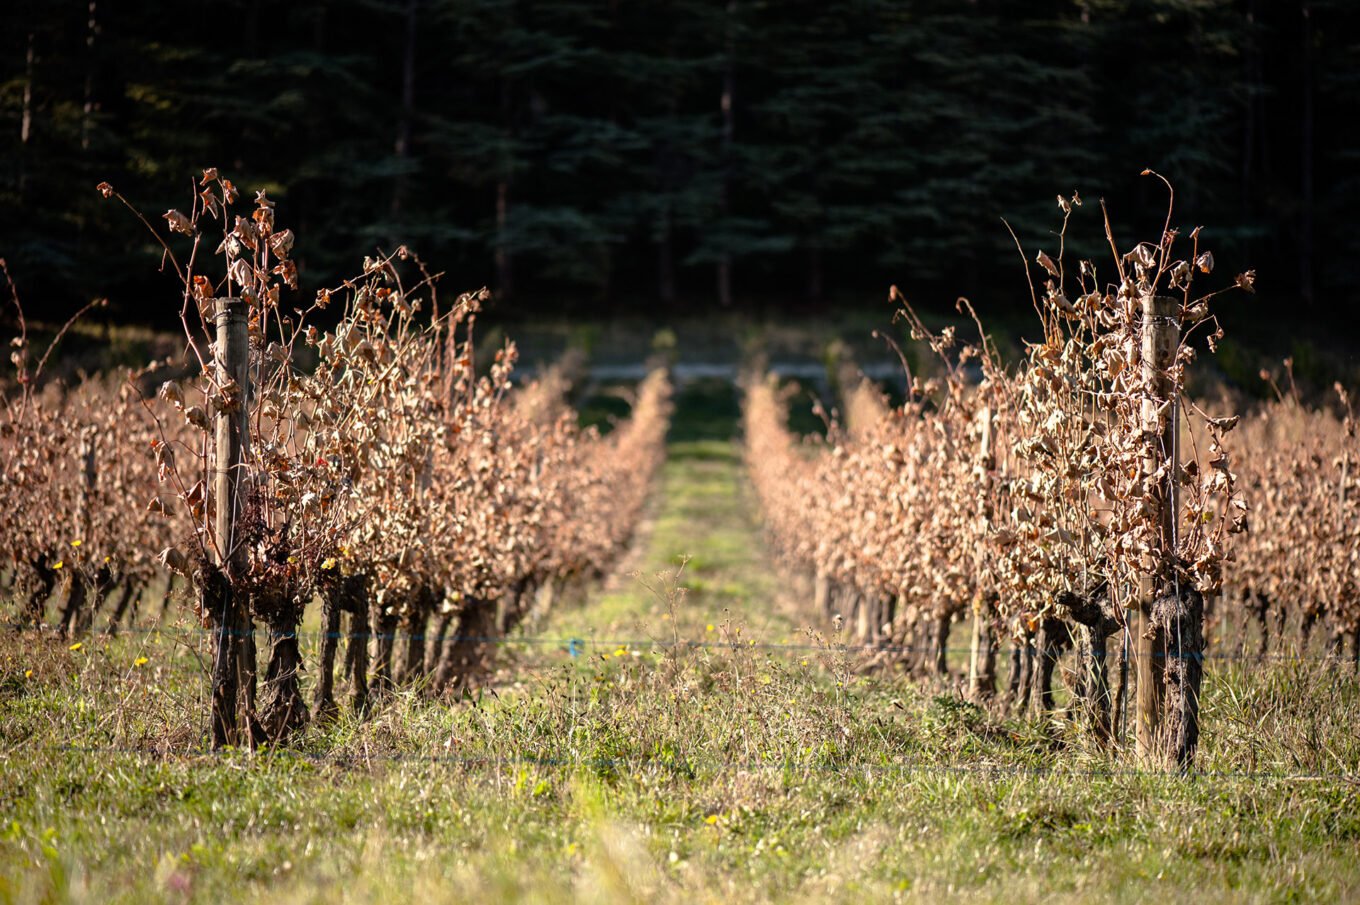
(665, 156)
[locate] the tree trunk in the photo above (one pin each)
(248, 665)
(385, 620)
(356, 653)
(120, 607)
(1091, 612)
(416, 622)
(729, 87)
(503, 254)
(1022, 680)
(464, 655)
(1017, 665)
(1121, 699)
(1306, 159)
(216, 602)
(331, 612)
(1306, 625)
(859, 617)
(724, 280)
(940, 643)
(75, 604)
(982, 654)
(822, 595)
(284, 711)
(1095, 679)
(402, 146)
(26, 117)
(525, 592)
(98, 592)
(1261, 610)
(45, 582)
(1251, 57)
(76, 596)
(883, 616)
(1336, 638)
(1182, 624)
(434, 655)
(88, 110)
(1049, 642)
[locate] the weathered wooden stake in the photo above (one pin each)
(232, 426)
(1120, 719)
(1161, 337)
(982, 656)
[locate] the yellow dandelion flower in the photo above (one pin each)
(75, 543)
(77, 646)
(59, 564)
(140, 661)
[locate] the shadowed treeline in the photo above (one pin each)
(613, 154)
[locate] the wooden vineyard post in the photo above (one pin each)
(232, 380)
(982, 656)
(1161, 338)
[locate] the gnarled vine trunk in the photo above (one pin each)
(465, 654)
(1050, 640)
(284, 711)
(1180, 621)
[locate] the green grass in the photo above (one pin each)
(702, 527)
(733, 774)
(723, 772)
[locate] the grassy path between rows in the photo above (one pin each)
(701, 536)
(637, 772)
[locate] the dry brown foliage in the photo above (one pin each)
(383, 473)
(1023, 494)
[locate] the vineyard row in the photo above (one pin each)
(1082, 500)
(370, 469)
